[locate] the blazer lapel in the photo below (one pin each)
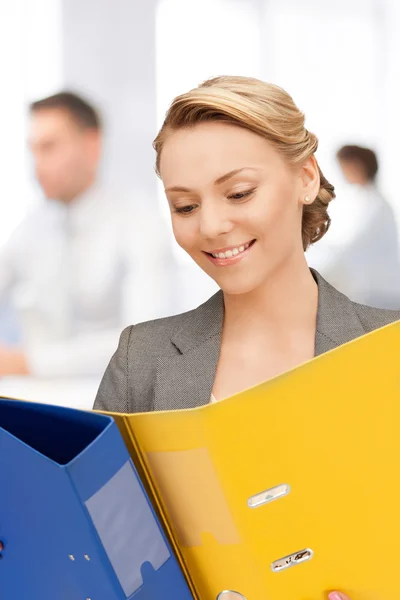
(185, 378)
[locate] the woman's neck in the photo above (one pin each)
(287, 300)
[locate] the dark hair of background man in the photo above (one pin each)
(79, 109)
(365, 157)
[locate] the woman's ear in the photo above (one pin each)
(309, 181)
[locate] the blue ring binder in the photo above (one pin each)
(75, 520)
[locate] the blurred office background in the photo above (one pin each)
(338, 59)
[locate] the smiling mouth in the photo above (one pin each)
(232, 252)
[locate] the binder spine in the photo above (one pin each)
(142, 466)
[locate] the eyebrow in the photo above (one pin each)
(218, 181)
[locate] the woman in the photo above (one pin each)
(247, 198)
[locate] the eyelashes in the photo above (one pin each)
(184, 210)
(237, 197)
(242, 195)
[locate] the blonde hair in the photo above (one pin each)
(264, 109)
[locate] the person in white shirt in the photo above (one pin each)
(85, 263)
(360, 253)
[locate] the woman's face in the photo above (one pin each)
(236, 205)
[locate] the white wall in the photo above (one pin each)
(30, 50)
(109, 55)
(389, 107)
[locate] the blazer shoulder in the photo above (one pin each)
(373, 318)
(128, 382)
(180, 332)
(340, 320)
(154, 337)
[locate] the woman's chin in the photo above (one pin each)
(236, 288)
(234, 280)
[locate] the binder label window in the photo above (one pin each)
(127, 528)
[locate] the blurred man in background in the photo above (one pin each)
(360, 253)
(87, 262)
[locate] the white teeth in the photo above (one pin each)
(230, 253)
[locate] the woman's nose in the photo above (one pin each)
(214, 220)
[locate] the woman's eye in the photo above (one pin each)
(241, 195)
(185, 210)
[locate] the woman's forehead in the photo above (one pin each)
(214, 148)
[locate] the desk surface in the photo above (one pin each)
(75, 393)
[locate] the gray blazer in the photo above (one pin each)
(171, 363)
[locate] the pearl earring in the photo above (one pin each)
(307, 199)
